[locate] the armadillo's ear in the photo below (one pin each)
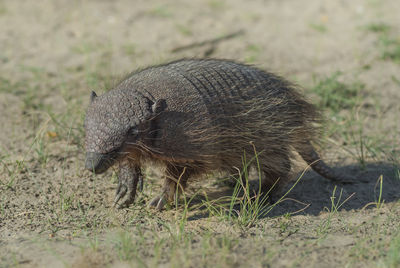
(93, 95)
(158, 106)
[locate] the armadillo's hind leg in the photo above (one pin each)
(128, 178)
(275, 176)
(175, 180)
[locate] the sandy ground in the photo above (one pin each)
(52, 53)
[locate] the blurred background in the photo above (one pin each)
(346, 55)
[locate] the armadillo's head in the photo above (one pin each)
(112, 121)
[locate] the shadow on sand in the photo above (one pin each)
(316, 191)
(313, 193)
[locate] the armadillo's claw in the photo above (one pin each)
(125, 194)
(121, 191)
(158, 202)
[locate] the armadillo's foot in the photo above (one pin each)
(158, 202)
(125, 194)
(126, 190)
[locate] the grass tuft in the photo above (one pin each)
(389, 46)
(336, 95)
(160, 11)
(245, 206)
(378, 27)
(319, 27)
(393, 254)
(336, 204)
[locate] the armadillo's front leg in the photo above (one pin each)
(128, 178)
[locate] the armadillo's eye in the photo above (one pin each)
(133, 131)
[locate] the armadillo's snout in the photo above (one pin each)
(97, 163)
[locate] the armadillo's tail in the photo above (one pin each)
(312, 158)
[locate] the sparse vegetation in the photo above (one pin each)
(378, 27)
(393, 256)
(161, 11)
(342, 104)
(319, 27)
(130, 49)
(389, 44)
(391, 48)
(252, 53)
(184, 30)
(53, 213)
(336, 203)
(335, 95)
(216, 4)
(3, 10)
